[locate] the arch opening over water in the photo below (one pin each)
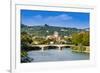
(50, 47)
(35, 48)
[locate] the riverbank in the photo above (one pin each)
(25, 58)
(81, 49)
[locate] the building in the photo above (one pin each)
(54, 37)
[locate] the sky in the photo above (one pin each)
(55, 18)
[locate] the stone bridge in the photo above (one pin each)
(54, 45)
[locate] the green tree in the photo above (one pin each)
(86, 40)
(26, 39)
(81, 38)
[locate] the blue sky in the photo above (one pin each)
(55, 18)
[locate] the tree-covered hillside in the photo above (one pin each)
(49, 30)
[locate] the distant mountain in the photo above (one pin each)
(49, 30)
(23, 26)
(87, 29)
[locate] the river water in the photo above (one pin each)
(56, 55)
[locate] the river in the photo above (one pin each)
(57, 55)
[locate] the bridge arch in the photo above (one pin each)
(50, 47)
(35, 48)
(64, 46)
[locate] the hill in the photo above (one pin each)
(49, 30)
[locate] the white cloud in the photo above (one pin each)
(37, 17)
(62, 17)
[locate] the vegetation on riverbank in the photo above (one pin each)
(25, 58)
(81, 49)
(25, 40)
(81, 41)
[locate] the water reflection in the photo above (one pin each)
(56, 55)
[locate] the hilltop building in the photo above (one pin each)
(55, 36)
